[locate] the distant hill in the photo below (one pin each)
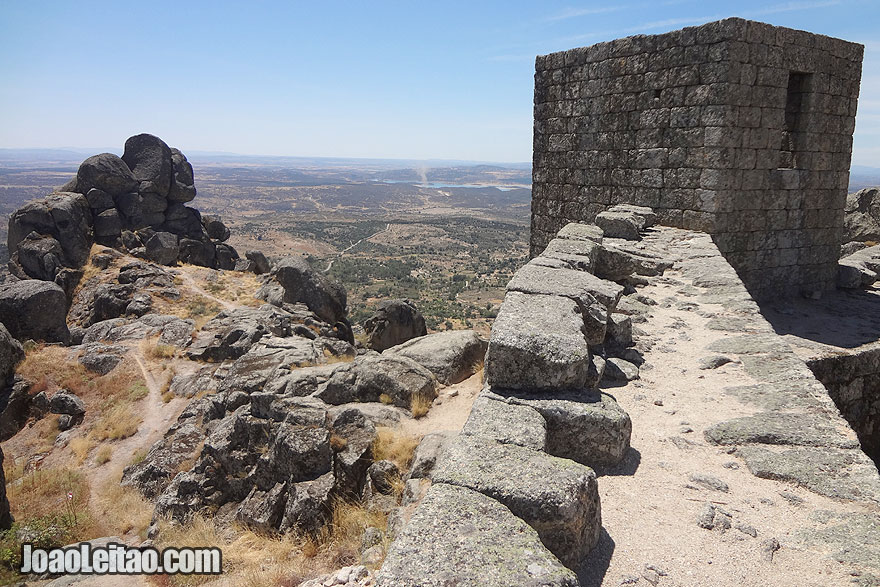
(861, 176)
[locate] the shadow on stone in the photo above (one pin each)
(842, 318)
(628, 466)
(593, 568)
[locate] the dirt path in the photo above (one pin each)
(450, 410)
(353, 245)
(195, 287)
(157, 416)
(651, 507)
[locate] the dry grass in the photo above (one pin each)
(52, 505)
(122, 509)
(153, 349)
(386, 399)
(393, 445)
(105, 453)
(116, 423)
(49, 368)
(81, 446)
(420, 404)
(260, 560)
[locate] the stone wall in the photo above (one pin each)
(853, 382)
(513, 499)
(736, 128)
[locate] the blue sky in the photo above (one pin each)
(361, 79)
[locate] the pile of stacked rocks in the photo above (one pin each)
(523, 470)
(136, 203)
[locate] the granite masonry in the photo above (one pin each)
(735, 128)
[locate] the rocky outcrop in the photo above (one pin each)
(11, 354)
(293, 281)
(134, 203)
(395, 322)
(862, 216)
(452, 356)
(34, 309)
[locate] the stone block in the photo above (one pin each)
(460, 536)
(557, 497)
(538, 342)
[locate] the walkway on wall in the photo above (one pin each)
(742, 471)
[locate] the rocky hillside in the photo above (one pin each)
(141, 355)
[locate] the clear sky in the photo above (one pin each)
(411, 80)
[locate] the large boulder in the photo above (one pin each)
(215, 228)
(372, 376)
(293, 280)
(458, 536)
(149, 159)
(40, 256)
(182, 185)
(395, 322)
(452, 356)
(16, 407)
(862, 216)
(11, 354)
(106, 172)
(34, 309)
(197, 252)
(538, 342)
(625, 225)
(162, 248)
(63, 215)
(261, 263)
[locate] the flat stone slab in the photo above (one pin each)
(775, 367)
(854, 538)
(737, 324)
(581, 232)
(749, 345)
(506, 423)
(800, 394)
(538, 342)
(557, 497)
(781, 428)
(460, 537)
(833, 472)
(571, 283)
(586, 426)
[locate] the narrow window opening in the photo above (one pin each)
(794, 126)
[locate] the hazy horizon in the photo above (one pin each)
(451, 82)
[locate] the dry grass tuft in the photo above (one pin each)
(393, 445)
(386, 399)
(48, 366)
(104, 454)
(337, 443)
(420, 404)
(81, 446)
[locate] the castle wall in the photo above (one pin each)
(736, 128)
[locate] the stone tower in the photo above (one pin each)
(736, 128)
